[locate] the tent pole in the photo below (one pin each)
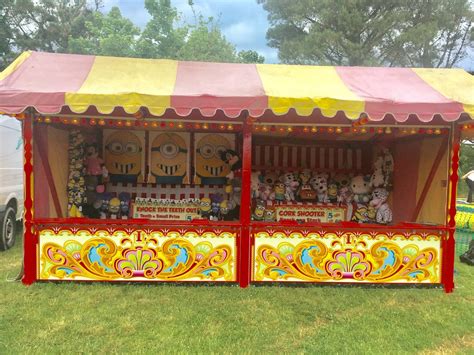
(244, 245)
(449, 243)
(30, 237)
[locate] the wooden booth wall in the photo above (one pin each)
(420, 180)
(50, 157)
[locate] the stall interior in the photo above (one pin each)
(325, 174)
(178, 171)
(171, 172)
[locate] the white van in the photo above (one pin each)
(11, 180)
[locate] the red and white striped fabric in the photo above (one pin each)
(307, 157)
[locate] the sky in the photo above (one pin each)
(243, 22)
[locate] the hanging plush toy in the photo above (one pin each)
(95, 165)
(231, 158)
(379, 203)
(345, 197)
(377, 179)
(388, 167)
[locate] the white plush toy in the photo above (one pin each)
(319, 183)
(378, 179)
(255, 181)
(379, 202)
(360, 186)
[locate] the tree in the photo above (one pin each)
(370, 32)
(161, 38)
(110, 34)
(250, 56)
(434, 34)
(206, 42)
(6, 35)
(48, 24)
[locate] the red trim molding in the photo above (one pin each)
(30, 237)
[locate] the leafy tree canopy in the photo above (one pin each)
(78, 26)
(433, 33)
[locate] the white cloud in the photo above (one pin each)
(241, 33)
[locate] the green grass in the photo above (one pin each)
(98, 317)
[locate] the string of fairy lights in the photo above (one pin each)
(357, 127)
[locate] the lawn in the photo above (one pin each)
(71, 317)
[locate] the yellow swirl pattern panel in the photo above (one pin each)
(163, 255)
(347, 257)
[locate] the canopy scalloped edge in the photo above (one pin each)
(211, 112)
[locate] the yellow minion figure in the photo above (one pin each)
(259, 211)
(123, 157)
(205, 207)
(210, 168)
(169, 159)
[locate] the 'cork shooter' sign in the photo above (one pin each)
(310, 213)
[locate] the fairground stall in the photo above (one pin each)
(159, 170)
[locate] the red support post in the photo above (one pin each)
(30, 238)
(448, 247)
(244, 258)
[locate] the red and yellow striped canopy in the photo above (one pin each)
(48, 82)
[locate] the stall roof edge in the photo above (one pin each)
(52, 83)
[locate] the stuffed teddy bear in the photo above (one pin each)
(379, 202)
(360, 186)
(319, 183)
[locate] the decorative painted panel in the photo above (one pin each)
(347, 256)
(137, 254)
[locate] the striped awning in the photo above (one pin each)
(49, 82)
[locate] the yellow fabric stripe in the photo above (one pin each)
(14, 66)
(126, 82)
(454, 84)
(307, 87)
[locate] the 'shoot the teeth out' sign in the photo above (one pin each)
(177, 210)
